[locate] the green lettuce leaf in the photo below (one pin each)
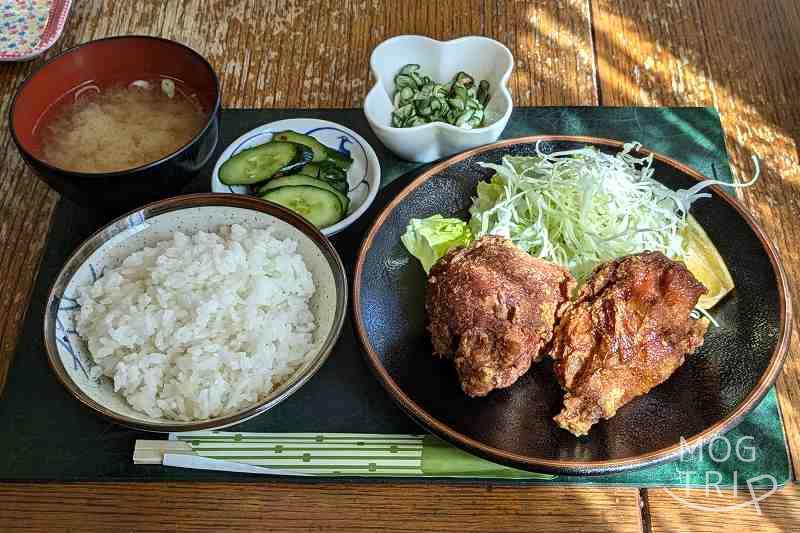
(430, 238)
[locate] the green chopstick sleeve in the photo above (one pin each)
(442, 459)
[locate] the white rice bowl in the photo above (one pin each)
(197, 327)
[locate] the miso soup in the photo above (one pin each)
(120, 127)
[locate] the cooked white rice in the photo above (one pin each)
(200, 326)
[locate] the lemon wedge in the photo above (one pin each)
(704, 262)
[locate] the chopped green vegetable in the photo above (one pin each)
(168, 87)
(483, 92)
(430, 238)
(418, 100)
(408, 69)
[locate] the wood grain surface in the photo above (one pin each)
(741, 56)
(699, 511)
(292, 507)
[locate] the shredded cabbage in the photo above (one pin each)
(582, 207)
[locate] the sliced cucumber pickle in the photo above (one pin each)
(338, 158)
(302, 180)
(320, 207)
(263, 162)
(292, 136)
(328, 172)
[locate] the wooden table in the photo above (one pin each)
(743, 57)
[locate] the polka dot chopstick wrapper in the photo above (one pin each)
(321, 454)
(29, 27)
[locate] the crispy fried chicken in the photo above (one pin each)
(491, 308)
(628, 331)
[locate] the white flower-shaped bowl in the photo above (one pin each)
(480, 57)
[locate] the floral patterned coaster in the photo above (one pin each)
(29, 27)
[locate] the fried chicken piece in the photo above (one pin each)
(628, 331)
(491, 308)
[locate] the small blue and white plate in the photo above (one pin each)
(364, 176)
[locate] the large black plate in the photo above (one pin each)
(708, 395)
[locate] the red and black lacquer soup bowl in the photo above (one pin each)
(708, 395)
(108, 62)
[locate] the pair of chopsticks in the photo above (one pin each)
(321, 454)
(180, 454)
